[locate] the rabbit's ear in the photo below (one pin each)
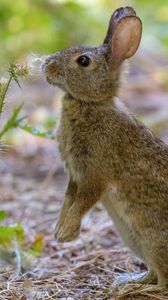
(124, 33)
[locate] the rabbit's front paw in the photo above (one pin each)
(67, 231)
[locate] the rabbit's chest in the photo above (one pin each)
(72, 150)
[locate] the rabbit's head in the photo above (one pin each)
(92, 73)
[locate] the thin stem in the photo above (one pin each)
(18, 258)
(4, 94)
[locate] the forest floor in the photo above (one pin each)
(32, 188)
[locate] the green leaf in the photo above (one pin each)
(10, 233)
(106, 291)
(11, 122)
(3, 215)
(36, 132)
(37, 246)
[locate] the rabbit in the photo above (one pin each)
(109, 155)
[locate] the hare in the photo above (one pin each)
(109, 155)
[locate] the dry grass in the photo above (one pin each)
(31, 192)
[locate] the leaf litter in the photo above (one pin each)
(41, 268)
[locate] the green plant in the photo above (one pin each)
(13, 237)
(15, 71)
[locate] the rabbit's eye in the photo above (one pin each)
(83, 61)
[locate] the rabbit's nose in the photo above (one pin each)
(50, 66)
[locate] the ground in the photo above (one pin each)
(33, 182)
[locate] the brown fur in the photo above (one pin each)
(109, 155)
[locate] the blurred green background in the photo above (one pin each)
(45, 26)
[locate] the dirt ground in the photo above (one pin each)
(33, 182)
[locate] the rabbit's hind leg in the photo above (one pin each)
(163, 277)
(157, 258)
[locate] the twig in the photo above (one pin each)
(18, 258)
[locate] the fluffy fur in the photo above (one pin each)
(109, 155)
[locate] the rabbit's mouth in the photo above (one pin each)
(54, 76)
(49, 80)
(56, 80)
